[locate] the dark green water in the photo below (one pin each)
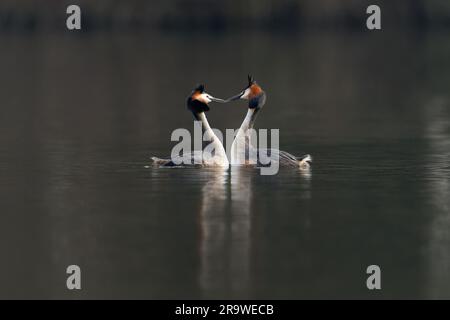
(80, 117)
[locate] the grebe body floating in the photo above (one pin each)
(242, 147)
(198, 103)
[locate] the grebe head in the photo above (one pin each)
(253, 93)
(198, 100)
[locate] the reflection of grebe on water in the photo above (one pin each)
(225, 224)
(228, 221)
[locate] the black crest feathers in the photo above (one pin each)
(250, 80)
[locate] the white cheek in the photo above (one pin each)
(204, 98)
(246, 93)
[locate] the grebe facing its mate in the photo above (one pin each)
(241, 146)
(197, 103)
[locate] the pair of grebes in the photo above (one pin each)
(198, 103)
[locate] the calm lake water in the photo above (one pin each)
(81, 116)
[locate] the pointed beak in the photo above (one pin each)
(236, 97)
(210, 98)
(217, 99)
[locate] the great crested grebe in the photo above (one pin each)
(197, 103)
(242, 147)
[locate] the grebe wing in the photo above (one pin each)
(188, 159)
(286, 158)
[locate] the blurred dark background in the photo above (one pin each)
(210, 15)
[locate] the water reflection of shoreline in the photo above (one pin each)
(438, 171)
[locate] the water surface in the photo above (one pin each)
(80, 117)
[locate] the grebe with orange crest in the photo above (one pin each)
(242, 147)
